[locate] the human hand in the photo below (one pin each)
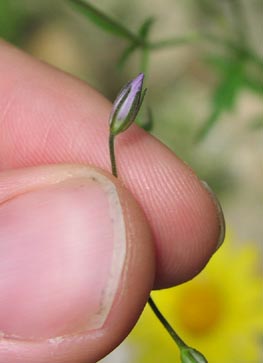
(80, 251)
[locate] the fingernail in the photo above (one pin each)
(62, 254)
(220, 214)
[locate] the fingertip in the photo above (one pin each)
(194, 227)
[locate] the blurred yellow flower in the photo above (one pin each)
(220, 312)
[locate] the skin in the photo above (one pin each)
(52, 123)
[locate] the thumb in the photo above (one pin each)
(76, 264)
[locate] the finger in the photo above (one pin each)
(49, 117)
(76, 264)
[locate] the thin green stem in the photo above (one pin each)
(144, 61)
(171, 42)
(227, 43)
(210, 38)
(106, 22)
(240, 20)
(112, 155)
(202, 133)
(166, 325)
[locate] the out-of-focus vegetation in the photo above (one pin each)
(204, 65)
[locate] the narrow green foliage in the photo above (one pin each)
(253, 84)
(239, 19)
(146, 27)
(225, 95)
(144, 32)
(234, 48)
(104, 21)
(145, 59)
(13, 20)
(208, 124)
(147, 121)
(128, 51)
(220, 63)
(131, 48)
(227, 91)
(257, 124)
(176, 41)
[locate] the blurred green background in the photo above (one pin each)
(204, 65)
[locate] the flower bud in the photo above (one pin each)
(190, 355)
(127, 105)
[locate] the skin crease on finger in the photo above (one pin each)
(49, 117)
(131, 296)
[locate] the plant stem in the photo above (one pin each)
(144, 61)
(106, 22)
(112, 155)
(210, 38)
(234, 46)
(165, 324)
(240, 20)
(171, 42)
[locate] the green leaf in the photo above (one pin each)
(257, 123)
(221, 63)
(104, 21)
(12, 21)
(146, 27)
(177, 41)
(208, 124)
(147, 122)
(144, 33)
(145, 57)
(126, 54)
(253, 84)
(226, 93)
(128, 51)
(224, 97)
(225, 65)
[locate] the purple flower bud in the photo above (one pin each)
(127, 105)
